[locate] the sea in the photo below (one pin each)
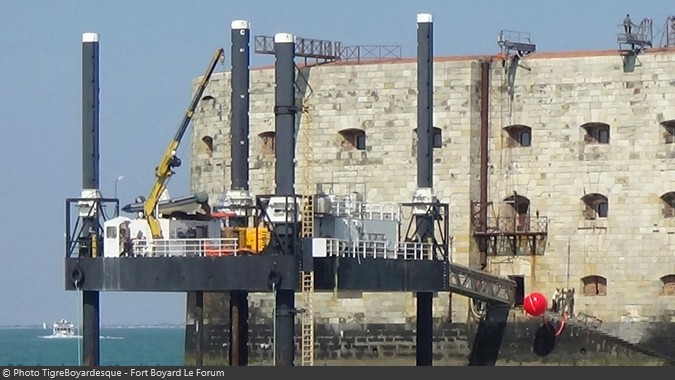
(118, 346)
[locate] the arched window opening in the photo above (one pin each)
(519, 135)
(595, 206)
(208, 144)
(208, 100)
(668, 131)
(268, 142)
(668, 204)
(437, 137)
(353, 138)
(594, 286)
(519, 213)
(668, 282)
(596, 133)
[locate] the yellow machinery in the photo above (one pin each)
(249, 239)
(169, 161)
(253, 239)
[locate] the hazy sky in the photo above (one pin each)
(150, 51)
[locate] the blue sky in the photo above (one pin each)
(150, 51)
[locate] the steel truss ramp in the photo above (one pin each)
(480, 285)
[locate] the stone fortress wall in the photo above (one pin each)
(598, 134)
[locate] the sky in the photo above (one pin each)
(150, 51)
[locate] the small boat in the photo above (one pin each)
(64, 329)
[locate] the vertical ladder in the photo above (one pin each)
(307, 281)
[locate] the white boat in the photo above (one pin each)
(64, 329)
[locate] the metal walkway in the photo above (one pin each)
(481, 286)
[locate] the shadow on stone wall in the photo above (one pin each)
(525, 343)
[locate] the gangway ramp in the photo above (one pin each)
(480, 285)
(402, 266)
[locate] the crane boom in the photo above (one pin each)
(169, 160)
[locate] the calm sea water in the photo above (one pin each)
(127, 346)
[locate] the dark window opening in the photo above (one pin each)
(353, 138)
(519, 135)
(668, 131)
(525, 138)
(594, 286)
(668, 282)
(520, 289)
(208, 143)
(596, 133)
(361, 142)
(668, 204)
(595, 206)
(436, 138)
(268, 142)
(208, 100)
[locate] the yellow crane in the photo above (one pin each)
(169, 160)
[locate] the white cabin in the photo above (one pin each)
(132, 237)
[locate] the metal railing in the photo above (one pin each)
(331, 50)
(221, 247)
(311, 48)
(380, 249)
(344, 206)
(360, 53)
(515, 224)
(641, 34)
(263, 44)
(186, 248)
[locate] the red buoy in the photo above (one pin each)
(535, 304)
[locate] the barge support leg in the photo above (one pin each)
(284, 319)
(239, 328)
(90, 328)
(425, 331)
(199, 328)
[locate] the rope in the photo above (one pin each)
(475, 312)
(565, 317)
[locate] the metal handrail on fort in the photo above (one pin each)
(331, 50)
(360, 53)
(312, 48)
(263, 44)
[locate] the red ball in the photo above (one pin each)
(535, 304)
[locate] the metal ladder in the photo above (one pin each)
(307, 281)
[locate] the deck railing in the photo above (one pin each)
(186, 247)
(221, 247)
(381, 249)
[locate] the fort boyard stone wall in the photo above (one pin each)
(598, 165)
